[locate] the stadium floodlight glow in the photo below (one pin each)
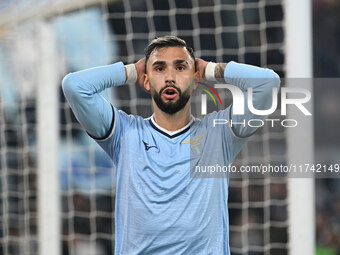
(238, 100)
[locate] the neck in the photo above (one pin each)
(172, 122)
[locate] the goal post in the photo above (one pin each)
(48, 143)
(301, 191)
(45, 10)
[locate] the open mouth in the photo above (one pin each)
(170, 93)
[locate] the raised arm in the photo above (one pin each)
(82, 90)
(261, 80)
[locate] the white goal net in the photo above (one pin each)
(54, 176)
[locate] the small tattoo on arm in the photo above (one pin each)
(219, 70)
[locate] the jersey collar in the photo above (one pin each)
(171, 134)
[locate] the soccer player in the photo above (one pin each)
(160, 208)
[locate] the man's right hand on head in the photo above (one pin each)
(140, 67)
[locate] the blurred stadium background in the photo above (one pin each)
(56, 181)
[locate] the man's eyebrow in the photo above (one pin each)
(176, 62)
(180, 61)
(158, 63)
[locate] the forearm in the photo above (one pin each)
(261, 80)
(82, 90)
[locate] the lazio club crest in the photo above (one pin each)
(195, 145)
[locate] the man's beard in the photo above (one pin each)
(171, 107)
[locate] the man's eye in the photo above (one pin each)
(159, 69)
(180, 68)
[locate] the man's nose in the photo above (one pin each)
(170, 76)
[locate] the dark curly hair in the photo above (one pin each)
(167, 41)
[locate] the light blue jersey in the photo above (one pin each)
(160, 208)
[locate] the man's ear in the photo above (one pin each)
(197, 76)
(146, 83)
